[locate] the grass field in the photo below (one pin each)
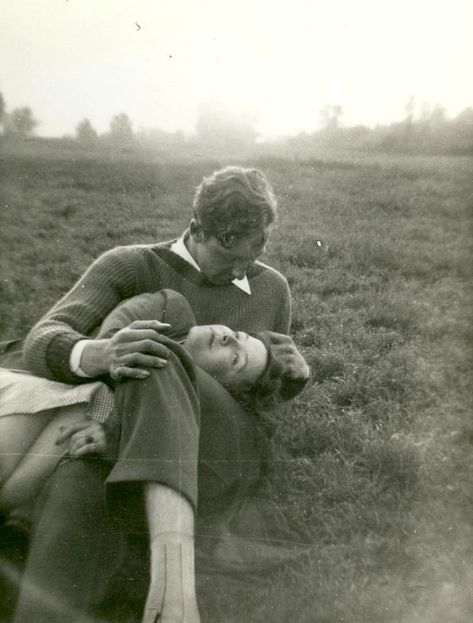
(374, 461)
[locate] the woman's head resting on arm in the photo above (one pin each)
(265, 366)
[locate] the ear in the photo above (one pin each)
(196, 231)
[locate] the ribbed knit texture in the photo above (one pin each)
(123, 272)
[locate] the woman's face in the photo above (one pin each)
(232, 357)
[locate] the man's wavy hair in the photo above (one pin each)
(233, 203)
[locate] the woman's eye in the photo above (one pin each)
(235, 333)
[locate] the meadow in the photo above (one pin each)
(372, 464)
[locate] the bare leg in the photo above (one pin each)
(32, 452)
(171, 596)
(17, 433)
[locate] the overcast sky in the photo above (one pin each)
(281, 60)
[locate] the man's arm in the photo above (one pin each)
(284, 307)
(107, 282)
(129, 341)
(128, 353)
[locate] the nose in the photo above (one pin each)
(228, 338)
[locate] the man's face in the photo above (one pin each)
(232, 357)
(220, 265)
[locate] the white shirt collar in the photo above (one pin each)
(179, 248)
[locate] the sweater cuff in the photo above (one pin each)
(75, 357)
(58, 357)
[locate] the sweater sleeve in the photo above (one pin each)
(283, 316)
(109, 280)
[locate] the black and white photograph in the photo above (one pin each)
(236, 329)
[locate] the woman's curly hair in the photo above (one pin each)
(285, 375)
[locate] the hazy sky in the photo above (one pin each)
(280, 60)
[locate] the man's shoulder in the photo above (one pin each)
(266, 271)
(150, 246)
(137, 249)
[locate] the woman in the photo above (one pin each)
(30, 447)
(255, 368)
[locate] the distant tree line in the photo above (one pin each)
(120, 131)
(428, 132)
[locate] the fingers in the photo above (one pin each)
(139, 359)
(79, 442)
(142, 360)
(156, 325)
(135, 334)
(146, 346)
(297, 367)
(90, 448)
(132, 358)
(90, 440)
(294, 365)
(125, 372)
(83, 447)
(136, 348)
(134, 366)
(68, 431)
(84, 438)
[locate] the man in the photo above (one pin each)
(233, 214)
(214, 265)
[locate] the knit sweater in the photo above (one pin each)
(126, 271)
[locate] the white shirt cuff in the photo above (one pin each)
(75, 357)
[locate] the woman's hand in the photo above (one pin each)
(129, 353)
(88, 437)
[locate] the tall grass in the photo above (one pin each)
(373, 463)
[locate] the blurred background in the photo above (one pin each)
(391, 76)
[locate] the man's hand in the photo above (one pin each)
(129, 353)
(88, 437)
(294, 364)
